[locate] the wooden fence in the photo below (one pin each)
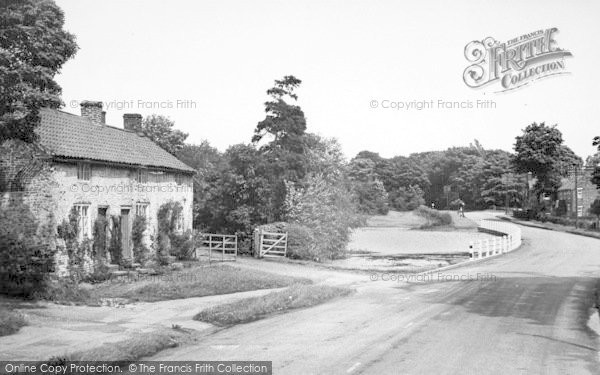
(217, 247)
(270, 244)
(507, 237)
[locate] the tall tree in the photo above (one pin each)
(284, 142)
(284, 122)
(161, 130)
(33, 48)
(539, 150)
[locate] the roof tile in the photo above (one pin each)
(72, 136)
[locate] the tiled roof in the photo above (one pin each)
(70, 136)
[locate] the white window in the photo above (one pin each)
(83, 221)
(84, 171)
(141, 209)
(579, 193)
(579, 211)
(142, 176)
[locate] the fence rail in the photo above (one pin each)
(271, 244)
(218, 247)
(507, 238)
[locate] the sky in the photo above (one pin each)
(207, 66)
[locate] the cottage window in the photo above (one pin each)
(84, 171)
(141, 209)
(579, 193)
(579, 211)
(142, 176)
(83, 221)
(178, 178)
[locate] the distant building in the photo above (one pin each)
(583, 192)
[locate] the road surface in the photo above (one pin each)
(522, 313)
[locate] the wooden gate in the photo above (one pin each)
(272, 244)
(217, 247)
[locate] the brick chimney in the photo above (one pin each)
(92, 110)
(132, 121)
(103, 117)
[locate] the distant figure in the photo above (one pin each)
(461, 210)
(432, 206)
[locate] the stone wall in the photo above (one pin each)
(28, 190)
(114, 188)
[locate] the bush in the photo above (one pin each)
(101, 273)
(372, 197)
(434, 217)
(10, 322)
(100, 239)
(114, 247)
(406, 199)
(167, 216)
(182, 245)
(326, 208)
(140, 251)
(65, 291)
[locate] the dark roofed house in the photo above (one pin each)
(577, 195)
(99, 171)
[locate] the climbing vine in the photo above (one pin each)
(114, 246)
(140, 251)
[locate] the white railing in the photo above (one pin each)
(507, 238)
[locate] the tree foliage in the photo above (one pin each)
(540, 151)
(161, 130)
(33, 48)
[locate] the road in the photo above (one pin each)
(522, 313)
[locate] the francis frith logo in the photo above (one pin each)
(514, 63)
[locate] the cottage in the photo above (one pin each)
(576, 194)
(80, 163)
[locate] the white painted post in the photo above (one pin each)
(504, 244)
(479, 248)
(471, 251)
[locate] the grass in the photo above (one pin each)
(66, 292)
(255, 308)
(10, 321)
(197, 281)
(434, 218)
(141, 345)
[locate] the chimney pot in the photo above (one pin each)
(132, 121)
(92, 110)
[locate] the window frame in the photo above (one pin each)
(141, 175)
(84, 227)
(178, 179)
(84, 169)
(141, 209)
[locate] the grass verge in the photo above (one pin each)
(255, 308)
(434, 218)
(139, 346)
(197, 281)
(10, 321)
